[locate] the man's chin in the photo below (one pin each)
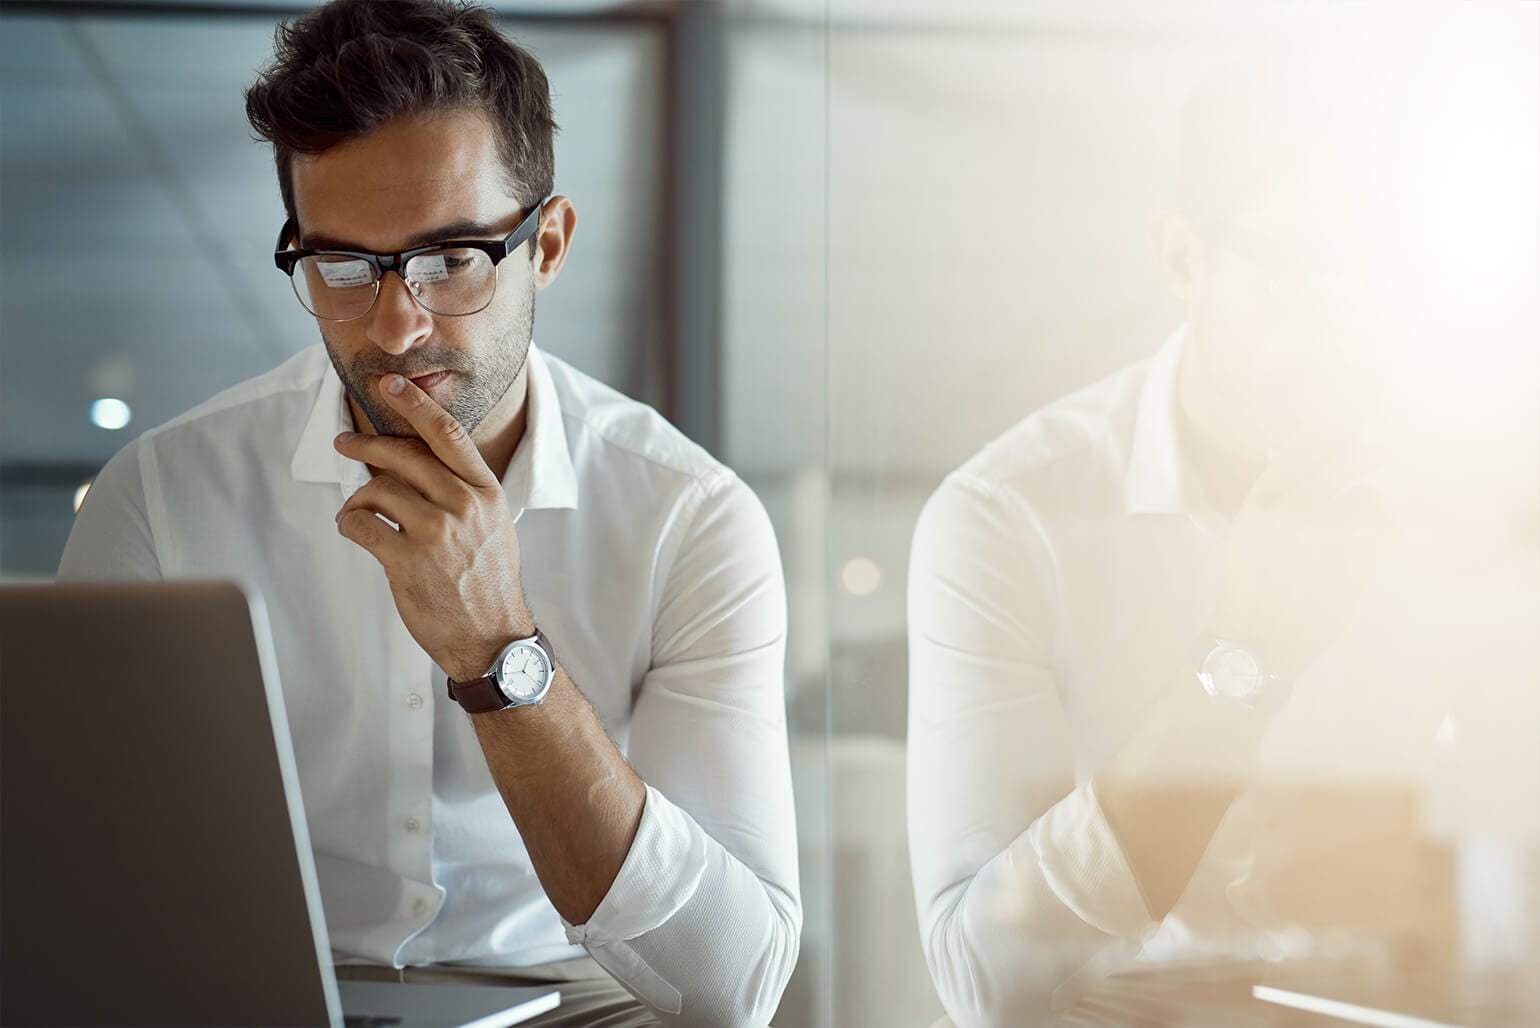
(402, 431)
(389, 423)
(384, 421)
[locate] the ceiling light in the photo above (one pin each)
(110, 413)
(860, 576)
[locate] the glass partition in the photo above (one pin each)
(1184, 531)
(774, 394)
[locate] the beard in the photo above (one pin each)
(479, 378)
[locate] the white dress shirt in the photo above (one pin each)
(1056, 579)
(654, 572)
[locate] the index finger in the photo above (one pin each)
(445, 436)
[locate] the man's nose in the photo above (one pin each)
(398, 322)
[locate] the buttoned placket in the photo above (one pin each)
(408, 702)
(413, 684)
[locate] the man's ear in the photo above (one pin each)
(1180, 254)
(552, 240)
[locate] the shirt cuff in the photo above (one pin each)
(1084, 865)
(659, 875)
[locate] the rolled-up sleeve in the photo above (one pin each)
(702, 922)
(1019, 881)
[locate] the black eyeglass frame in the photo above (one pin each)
(286, 259)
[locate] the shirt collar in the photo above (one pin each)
(314, 458)
(1157, 479)
(540, 475)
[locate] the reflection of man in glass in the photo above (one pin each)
(1165, 699)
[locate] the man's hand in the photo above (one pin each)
(453, 565)
(1301, 552)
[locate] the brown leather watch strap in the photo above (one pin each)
(481, 696)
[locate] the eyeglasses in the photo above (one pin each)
(1311, 287)
(453, 278)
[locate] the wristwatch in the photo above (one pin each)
(520, 677)
(1233, 673)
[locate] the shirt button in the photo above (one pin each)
(411, 824)
(420, 908)
(414, 701)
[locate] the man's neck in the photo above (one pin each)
(501, 431)
(1224, 459)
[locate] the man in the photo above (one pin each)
(429, 497)
(1177, 678)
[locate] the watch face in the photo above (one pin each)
(525, 672)
(1232, 672)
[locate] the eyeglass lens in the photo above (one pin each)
(450, 282)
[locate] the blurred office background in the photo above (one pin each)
(843, 243)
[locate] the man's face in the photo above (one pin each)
(1290, 320)
(411, 182)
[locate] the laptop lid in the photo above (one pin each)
(150, 804)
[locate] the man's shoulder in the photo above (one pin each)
(1078, 442)
(607, 429)
(275, 402)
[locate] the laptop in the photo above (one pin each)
(1477, 1001)
(155, 866)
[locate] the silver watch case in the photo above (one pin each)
(523, 672)
(1233, 673)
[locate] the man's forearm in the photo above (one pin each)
(575, 800)
(1165, 792)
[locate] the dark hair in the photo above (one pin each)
(1273, 104)
(347, 67)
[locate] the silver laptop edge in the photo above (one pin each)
(267, 662)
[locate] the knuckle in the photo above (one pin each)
(451, 429)
(463, 505)
(361, 526)
(439, 524)
(362, 497)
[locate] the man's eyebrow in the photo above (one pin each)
(443, 233)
